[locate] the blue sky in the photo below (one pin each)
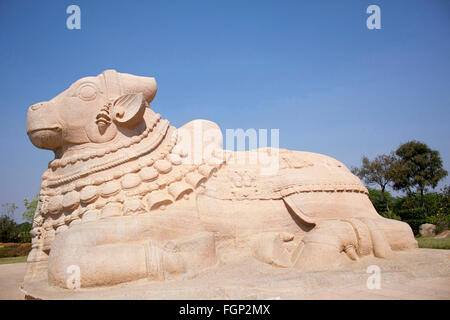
(309, 68)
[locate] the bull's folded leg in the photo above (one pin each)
(111, 258)
(329, 245)
(187, 255)
(332, 242)
(98, 265)
(105, 253)
(398, 234)
(271, 248)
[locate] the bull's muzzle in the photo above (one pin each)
(43, 129)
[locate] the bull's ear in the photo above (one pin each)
(129, 109)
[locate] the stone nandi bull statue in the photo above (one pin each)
(128, 196)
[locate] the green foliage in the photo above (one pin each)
(377, 199)
(23, 232)
(8, 228)
(10, 231)
(413, 168)
(441, 209)
(419, 168)
(380, 171)
(30, 208)
(381, 202)
(8, 210)
(436, 209)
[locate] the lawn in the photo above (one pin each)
(13, 260)
(433, 243)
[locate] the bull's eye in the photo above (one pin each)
(87, 91)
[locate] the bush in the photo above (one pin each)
(378, 200)
(436, 211)
(23, 232)
(415, 224)
(15, 250)
(10, 231)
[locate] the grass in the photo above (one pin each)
(432, 243)
(13, 260)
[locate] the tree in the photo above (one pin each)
(419, 167)
(379, 171)
(441, 209)
(379, 202)
(23, 232)
(8, 210)
(10, 231)
(30, 208)
(8, 228)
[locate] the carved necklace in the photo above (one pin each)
(112, 148)
(132, 183)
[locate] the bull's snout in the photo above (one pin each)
(43, 128)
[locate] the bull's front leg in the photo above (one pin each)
(124, 249)
(333, 242)
(329, 245)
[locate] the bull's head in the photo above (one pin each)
(92, 110)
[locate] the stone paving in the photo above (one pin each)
(11, 276)
(409, 290)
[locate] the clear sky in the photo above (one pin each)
(309, 68)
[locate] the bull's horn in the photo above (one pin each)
(135, 84)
